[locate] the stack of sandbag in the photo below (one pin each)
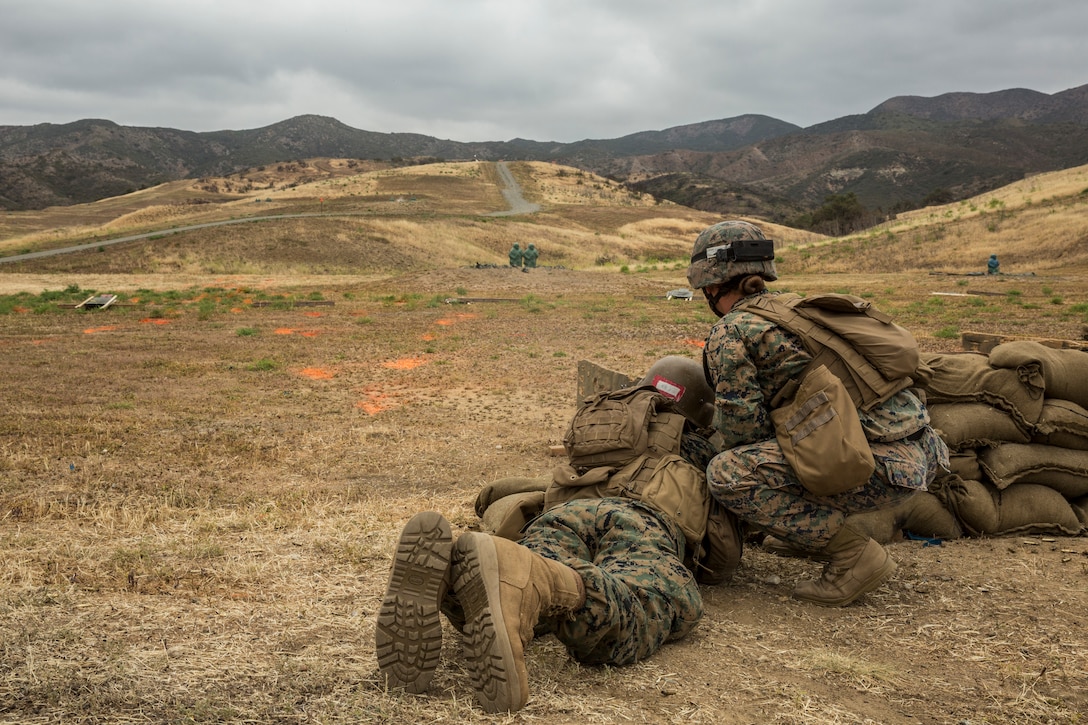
(1016, 422)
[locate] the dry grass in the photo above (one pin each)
(200, 494)
(1037, 225)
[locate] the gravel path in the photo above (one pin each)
(512, 193)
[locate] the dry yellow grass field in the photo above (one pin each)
(201, 485)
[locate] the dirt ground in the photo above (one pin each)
(200, 495)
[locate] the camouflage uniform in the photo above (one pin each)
(639, 594)
(516, 255)
(749, 359)
(530, 255)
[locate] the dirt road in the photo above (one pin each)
(512, 193)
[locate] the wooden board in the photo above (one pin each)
(593, 378)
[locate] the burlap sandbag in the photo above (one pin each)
(1031, 508)
(973, 425)
(1061, 469)
(1062, 374)
(1080, 508)
(1021, 508)
(1063, 423)
(969, 378)
(879, 525)
(965, 465)
(924, 514)
(974, 504)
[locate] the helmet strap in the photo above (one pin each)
(712, 300)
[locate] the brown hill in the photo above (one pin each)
(901, 153)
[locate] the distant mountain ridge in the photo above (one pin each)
(1070, 106)
(904, 149)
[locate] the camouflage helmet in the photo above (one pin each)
(682, 380)
(713, 260)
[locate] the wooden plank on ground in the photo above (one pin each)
(295, 303)
(985, 342)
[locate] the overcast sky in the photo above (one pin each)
(493, 70)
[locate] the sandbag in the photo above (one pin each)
(1061, 374)
(973, 425)
(923, 514)
(974, 504)
(965, 465)
(1063, 423)
(983, 509)
(1031, 508)
(969, 378)
(1061, 469)
(1080, 508)
(879, 525)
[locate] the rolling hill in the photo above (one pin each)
(902, 152)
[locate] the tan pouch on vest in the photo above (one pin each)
(668, 483)
(821, 435)
(679, 489)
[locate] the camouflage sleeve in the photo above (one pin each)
(749, 359)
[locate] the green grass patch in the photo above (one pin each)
(263, 365)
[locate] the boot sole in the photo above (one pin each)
(408, 634)
(488, 650)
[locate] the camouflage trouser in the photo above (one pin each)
(639, 594)
(755, 482)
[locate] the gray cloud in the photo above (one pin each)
(476, 70)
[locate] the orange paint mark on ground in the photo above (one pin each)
(694, 342)
(427, 337)
(235, 310)
(314, 314)
(317, 373)
(103, 328)
(155, 321)
(20, 310)
(283, 331)
(445, 321)
(375, 403)
(405, 363)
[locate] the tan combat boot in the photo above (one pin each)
(408, 634)
(505, 588)
(857, 565)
